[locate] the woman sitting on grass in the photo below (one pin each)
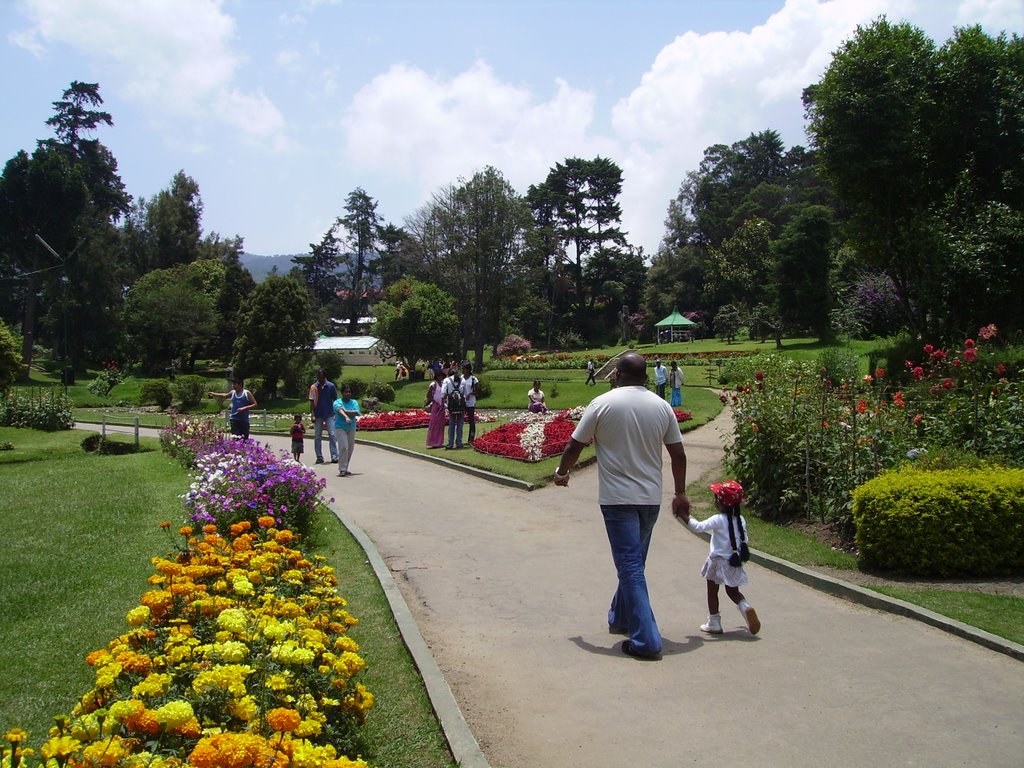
(536, 398)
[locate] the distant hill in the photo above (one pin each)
(261, 266)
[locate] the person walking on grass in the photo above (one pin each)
(346, 410)
(629, 424)
(322, 394)
(242, 402)
(591, 373)
(729, 551)
(660, 378)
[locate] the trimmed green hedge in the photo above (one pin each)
(964, 522)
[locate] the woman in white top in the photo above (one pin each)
(536, 398)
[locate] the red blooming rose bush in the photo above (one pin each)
(412, 419)
(807, 436)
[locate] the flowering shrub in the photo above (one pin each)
(31, 409)
(554, 361)
(240, 480)
(513, 345)
(185, 437)
(528, 438)
(109, 377)
(804, 439)
(682, 415)
(237, 656)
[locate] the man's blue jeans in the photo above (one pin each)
(318, 435)
(455, 429)
(629, 528)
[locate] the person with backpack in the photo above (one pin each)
(728, 552)
(472, 390)
(454, 394)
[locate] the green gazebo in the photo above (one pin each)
(676, 325)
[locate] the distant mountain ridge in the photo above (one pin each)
(261, 266)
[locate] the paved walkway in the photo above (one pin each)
(509, 590)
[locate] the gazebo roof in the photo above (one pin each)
(674, 319)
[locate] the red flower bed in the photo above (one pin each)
(395, 420)
(530, 442)
(682, 415)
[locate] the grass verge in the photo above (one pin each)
(81, 529)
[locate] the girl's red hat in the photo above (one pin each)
(729, 493)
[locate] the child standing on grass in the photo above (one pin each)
(728, 552)
(298, 433)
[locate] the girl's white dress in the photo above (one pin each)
(716, 567)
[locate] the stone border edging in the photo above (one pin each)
(463, 745)
(882, 602)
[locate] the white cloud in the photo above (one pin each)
(176, 57)
(409, 123)
(994, 15)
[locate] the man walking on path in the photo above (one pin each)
(322, 395)
(591, 373)
(629, 425)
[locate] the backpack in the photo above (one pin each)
(456, 400)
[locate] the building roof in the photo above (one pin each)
(674, 319)
(346, 342)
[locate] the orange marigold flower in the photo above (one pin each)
(266, 521)
(190, 729)
(185, 530)
(283, 720)
(210, 528)
(165, 525)
(284, 537)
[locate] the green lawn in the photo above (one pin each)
(80, 531)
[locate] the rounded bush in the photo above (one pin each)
(381, 390)
(190, 390)
(156, 392)
(947, 523)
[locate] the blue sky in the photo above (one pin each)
(280, 109)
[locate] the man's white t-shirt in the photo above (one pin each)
(629, 426)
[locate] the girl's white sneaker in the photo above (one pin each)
(713, 625)
(750, 616)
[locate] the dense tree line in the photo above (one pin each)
(904, 212)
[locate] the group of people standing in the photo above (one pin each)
(671, 378)
(451, 399)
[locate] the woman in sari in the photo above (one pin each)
(435, 404)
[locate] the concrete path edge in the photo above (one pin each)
(882, 602)
(461, 742)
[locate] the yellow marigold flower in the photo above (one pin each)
(284, 537)
(346, 643)
(124, 708)
(242, 586)
(234, 620)
(349, 664)
(230, 677)
(190, 729)
(283, 720)
(106, 753)
(138, 616)
(107, 674)
(16, 735)
(166, 567)
(307, 728)
(344, 762)
(174, 714)
(232, 750)
(155, 684)
(278, 681)
(60, 748)
(289, 652)
(232, 651)
(98, 658)
(244, 709)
